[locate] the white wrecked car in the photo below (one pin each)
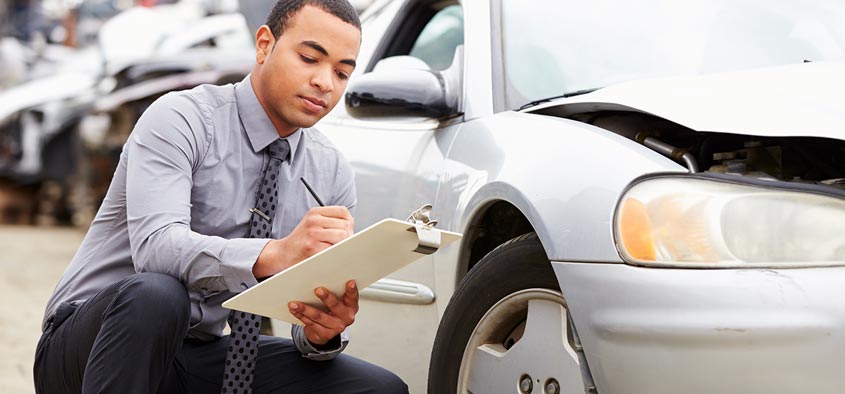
(652, 195)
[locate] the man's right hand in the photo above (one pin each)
(320, 228)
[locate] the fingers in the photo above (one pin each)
(350, 298)
(341, 312)
(316, 333)
(329, 236)
(321, 326)
(329, 299)
(338, 212)
(317, 316)
(331, 217)
(338, 309)
(321, 228)
(304, 319)
(330, 230)
(317, 240)
(328, 222)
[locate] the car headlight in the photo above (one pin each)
(685, 221)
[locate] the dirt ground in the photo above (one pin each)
(31, 261)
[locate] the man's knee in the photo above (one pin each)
(388, 383)
(371, 378)
(154, 297)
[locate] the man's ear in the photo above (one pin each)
(264, 42)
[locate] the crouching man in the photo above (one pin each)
(205, 202)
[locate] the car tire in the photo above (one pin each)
(520, 265)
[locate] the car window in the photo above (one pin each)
(560, 47)
(440, 37)
(428, 31)
(374, 24)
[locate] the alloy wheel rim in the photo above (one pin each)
(537, 355)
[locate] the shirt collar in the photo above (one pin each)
(259, 128)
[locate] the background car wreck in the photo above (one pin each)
(62, 130)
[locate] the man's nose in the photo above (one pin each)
(323, 80)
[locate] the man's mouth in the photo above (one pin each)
(313, 104)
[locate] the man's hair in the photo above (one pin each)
(285, 9)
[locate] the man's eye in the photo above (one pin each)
(342, 75)
(307, 59)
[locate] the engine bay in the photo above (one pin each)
(812, 160)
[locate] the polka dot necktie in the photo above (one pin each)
(243, 341)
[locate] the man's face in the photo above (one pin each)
(301, 76)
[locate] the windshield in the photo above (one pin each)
(557, 47)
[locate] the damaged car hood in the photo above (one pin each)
(797, 100)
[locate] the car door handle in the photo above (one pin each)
(398, 292)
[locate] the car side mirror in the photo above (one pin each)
(404, 87)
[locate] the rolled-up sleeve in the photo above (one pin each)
(167, 145)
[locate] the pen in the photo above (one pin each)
(313, 193)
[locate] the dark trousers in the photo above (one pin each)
(130, 338)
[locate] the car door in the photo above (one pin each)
(398, 163)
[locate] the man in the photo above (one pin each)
(139, 307)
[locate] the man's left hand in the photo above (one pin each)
(321, 327)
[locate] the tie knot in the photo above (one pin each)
(279, 149)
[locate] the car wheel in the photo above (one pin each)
(506, 329)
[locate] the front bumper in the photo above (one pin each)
(659, 330)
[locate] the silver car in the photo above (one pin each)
(652, 194)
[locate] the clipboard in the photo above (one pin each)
(367, 256)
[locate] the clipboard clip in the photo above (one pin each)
(428, 237)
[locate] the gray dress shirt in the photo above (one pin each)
(179, 202)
